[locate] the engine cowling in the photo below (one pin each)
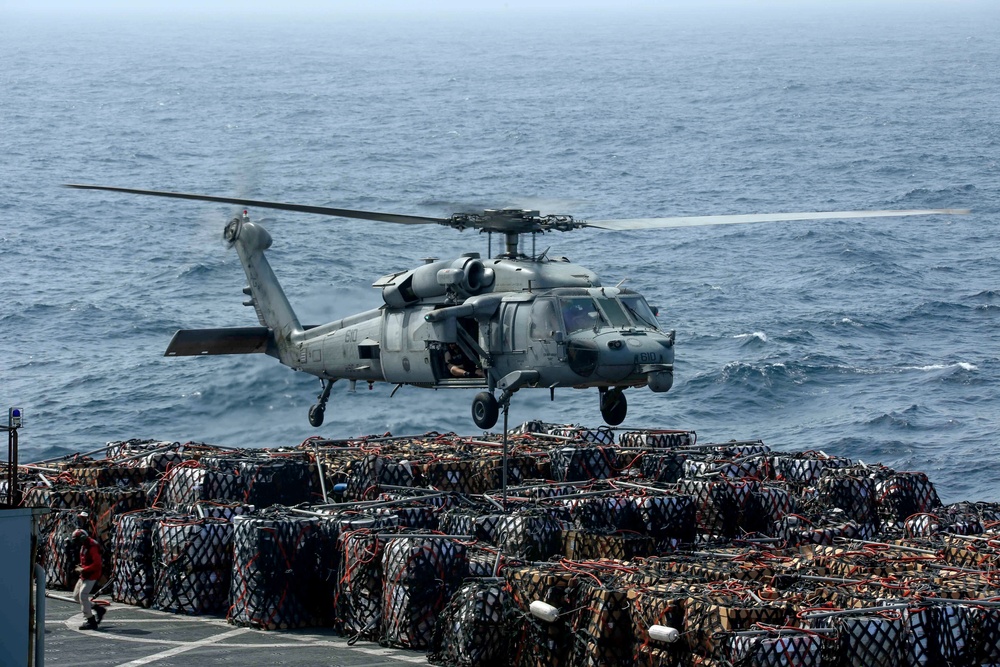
(466, 275)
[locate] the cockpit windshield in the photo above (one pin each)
(580, 313)
(639, 310)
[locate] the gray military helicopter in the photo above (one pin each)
(497, 324)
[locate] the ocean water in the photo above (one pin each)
(874, 339)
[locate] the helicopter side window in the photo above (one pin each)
(580, 313)
(613, 310)
(394, 331)
(544, 321)
(640, 311)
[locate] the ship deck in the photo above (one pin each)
(132, 636)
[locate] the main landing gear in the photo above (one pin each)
(317, 412)
(614, 407)
(485, 410)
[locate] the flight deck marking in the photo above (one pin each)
(292, 641)
(189, 646)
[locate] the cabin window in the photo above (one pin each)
(613, 311)
(394, 331)
(544, 320)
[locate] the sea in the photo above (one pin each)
(874, 339)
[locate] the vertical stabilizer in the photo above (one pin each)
(267, 297)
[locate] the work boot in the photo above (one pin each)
(91, 624)
(100, 611)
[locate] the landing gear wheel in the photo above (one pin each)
(614, 407)
(485, 410)
(316, 413)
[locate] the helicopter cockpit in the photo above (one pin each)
(626, 311)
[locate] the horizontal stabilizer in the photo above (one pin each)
(233, 340)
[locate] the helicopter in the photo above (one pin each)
(497, 324)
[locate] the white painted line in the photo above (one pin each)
(191, 646)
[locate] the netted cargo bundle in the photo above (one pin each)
(419, 516)
(668, 517)
(485, 561)
(365, 475)
(104, 504)
(358, 600)
(470, 476)
(766, 505)
(532, 535)
(602, 632)
(57, 497)
(183, 486)
(717, 506)
(208, 508)
(277, 481)
(602, 435)
(658, 439)
(520, 467)
(539, 643)
(283, 568)
(852, 490)
(944, 520)
(904, 494)
(971, 552)
(606, 514)
(100, 474)
(576, 464)
(872, 639)
(825, 528)
(584, 545)
(788, 649)
(742, 468)
(193, 566)
(122, 448)
(472, 630)
(868, 561)
(658, 605)
(61, 554)
(133, 575)
(482, 523)
(801, 469)
(666, 467)
(419, 576)
(745, 565)
(986, 636)
(708, 617)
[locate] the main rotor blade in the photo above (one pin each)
(254, 203)
(700, 220)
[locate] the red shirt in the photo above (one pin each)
(90, 559)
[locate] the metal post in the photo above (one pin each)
(506, 408)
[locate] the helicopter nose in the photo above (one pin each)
(646, 358)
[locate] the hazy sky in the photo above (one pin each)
(428, 7)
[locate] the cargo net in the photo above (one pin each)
(657, 605)
(190, 483)
(575, 464)
(824, 528)
(278, 481)
(61, 555)
(603, 514)
(904, 494)
(471, 630)
(283, 569)
(481, 523)
(787, 649)
(193, 566)
(533, 535)
(707, 619)
(668, 518)
(358, 599)
(717, 506)
(666, 467)
(602, 633)
(420, 574)
(853, 491)
(536, 642)
(133, 575)
(658, 439)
